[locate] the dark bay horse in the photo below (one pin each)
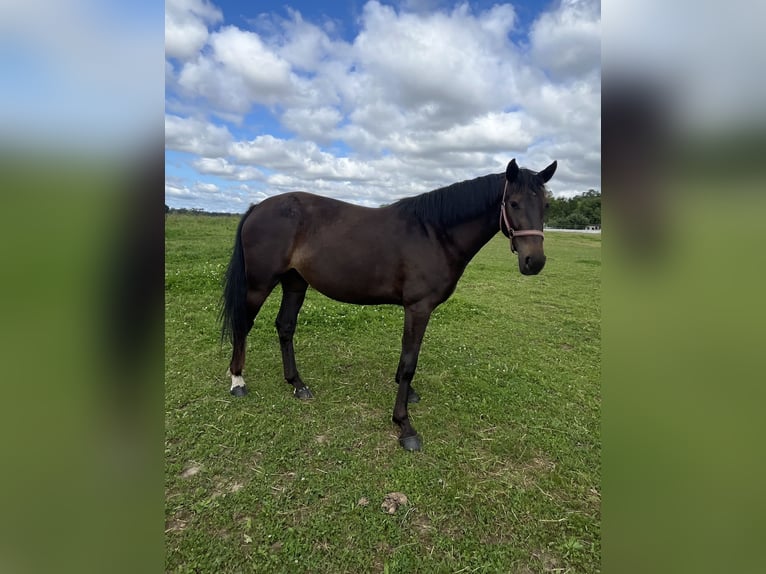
(410, 253)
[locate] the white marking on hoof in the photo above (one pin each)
(237, 381)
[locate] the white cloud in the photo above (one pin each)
(221, 167)
(196, 136)
(244, 54)
(455, 63)
(491, 132)
(305, 45)
(239, 71)
(205, 187)
(312, 123)
(186, 26)
(567, 41)
(177, 190)
(214, 166)
(275, 153)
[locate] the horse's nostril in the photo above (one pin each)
(527, 260)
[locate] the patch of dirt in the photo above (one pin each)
(540, 464)
(528, 474)
(224, 487)
(548, 561)
(175, 525)
(191, 470)
(503, 537)
(422, 523)
(363, 501)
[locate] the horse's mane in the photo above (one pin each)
(455, 203)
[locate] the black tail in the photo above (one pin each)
(233, 314)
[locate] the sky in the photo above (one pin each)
(369, 102)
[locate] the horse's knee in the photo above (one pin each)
(285, 329)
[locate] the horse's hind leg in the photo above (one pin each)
(255, 299)
(293, 292)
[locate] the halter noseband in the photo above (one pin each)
(512, 232)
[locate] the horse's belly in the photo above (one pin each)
(344, 281)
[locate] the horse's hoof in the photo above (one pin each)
(303, 393)
(410, 443)
(238, 391)
(413, 397)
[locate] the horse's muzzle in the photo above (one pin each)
(531, 264)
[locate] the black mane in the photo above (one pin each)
(455, 203)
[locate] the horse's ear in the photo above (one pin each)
(512, 171)
(548, 172)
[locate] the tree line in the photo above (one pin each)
(195, 211)
(574, 212)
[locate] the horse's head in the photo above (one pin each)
(521, 214)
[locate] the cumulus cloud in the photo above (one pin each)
(244, 54)
(238, 72)
(567, 41)
(305, 45)
(196, 136)
(276, 153)
(221, 167)
(316, 124)
(205, 187)
(186, 26)
(455, 63)
(214, 166)
(490, 132)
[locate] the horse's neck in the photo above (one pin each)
(469, 237)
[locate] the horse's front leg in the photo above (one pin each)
(413, 396)
(415, 323)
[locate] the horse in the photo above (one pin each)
(409, 253)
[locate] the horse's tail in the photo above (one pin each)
(233, 313)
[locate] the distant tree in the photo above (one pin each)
(575, 220)
(575, 212)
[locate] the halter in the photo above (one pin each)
(511, 232)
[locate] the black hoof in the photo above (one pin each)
(413, 397)
(410, 443)
(238, 391)
(303, 393)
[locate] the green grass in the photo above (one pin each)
(509, 477)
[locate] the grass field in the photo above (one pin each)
(509, 476)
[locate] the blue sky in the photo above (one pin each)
(372, 101)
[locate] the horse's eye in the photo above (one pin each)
(514, 205)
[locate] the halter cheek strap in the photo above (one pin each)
(511, 231)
